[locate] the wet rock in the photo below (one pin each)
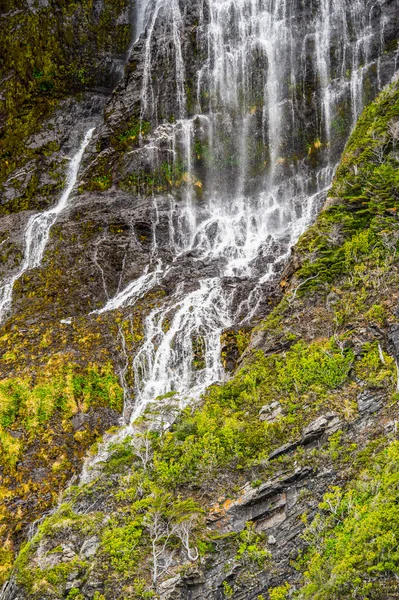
(72, 583)
(11, 591)
(38, 473)
(273, 521)
(15, 434)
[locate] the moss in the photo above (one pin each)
(365, 196)
(234, 344)
(130, 135)
(36, 436)
(51, 580)
(50, 53)
(280, 593)
(226, 432)
(124, 542)
(165, 178)
(321, 353)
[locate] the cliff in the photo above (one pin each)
(280, 481)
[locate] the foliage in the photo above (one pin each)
(376, 368)
(365, 200)
(29, 405)
(52, 578)
(353, 544)
(227, 590)
(50, 52)
(251, 548)
(121, 542)
(150, 480)
(227, 431)
(36, 434)
(280, 593)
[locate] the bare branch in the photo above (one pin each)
(292, 298)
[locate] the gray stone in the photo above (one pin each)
(285, 449)
(68, 554)
(370, 401)
(317, 428)
(90, 547)
(78, 421)
(271, 540)
(270, 412)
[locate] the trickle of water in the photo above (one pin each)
(133, 292)
(168, 10)
(141, 16)
(182, 347)
(38, 231)
(270, 92)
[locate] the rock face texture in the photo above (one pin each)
(218, 128)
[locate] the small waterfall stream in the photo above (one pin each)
(38, 230)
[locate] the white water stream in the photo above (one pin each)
(38, 231)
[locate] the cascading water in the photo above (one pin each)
(248, 188)
(38, 227)
(38, 230)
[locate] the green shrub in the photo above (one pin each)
(353, 542)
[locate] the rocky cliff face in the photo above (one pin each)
(211, 156)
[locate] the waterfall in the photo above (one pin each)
(38, 230)
(248, 189)
(245, 111)
(254, 137)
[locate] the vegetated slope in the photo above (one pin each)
(59, 62)
(283, 482)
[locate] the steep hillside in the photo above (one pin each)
(282, 483)
(179, 388)
(53, 54)
(59, 63)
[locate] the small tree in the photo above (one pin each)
(167, 521)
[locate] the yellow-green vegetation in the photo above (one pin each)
(280, 593)
(51, 371)
(132, 543)
(166, 177)
(318, 351)
(45, 579)
(39, 446)
(353, 542)
(226, 432)
(148, 528)
(130, 135)
(27, 406)
(234, 344)
(48, 53)
(154, 482)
